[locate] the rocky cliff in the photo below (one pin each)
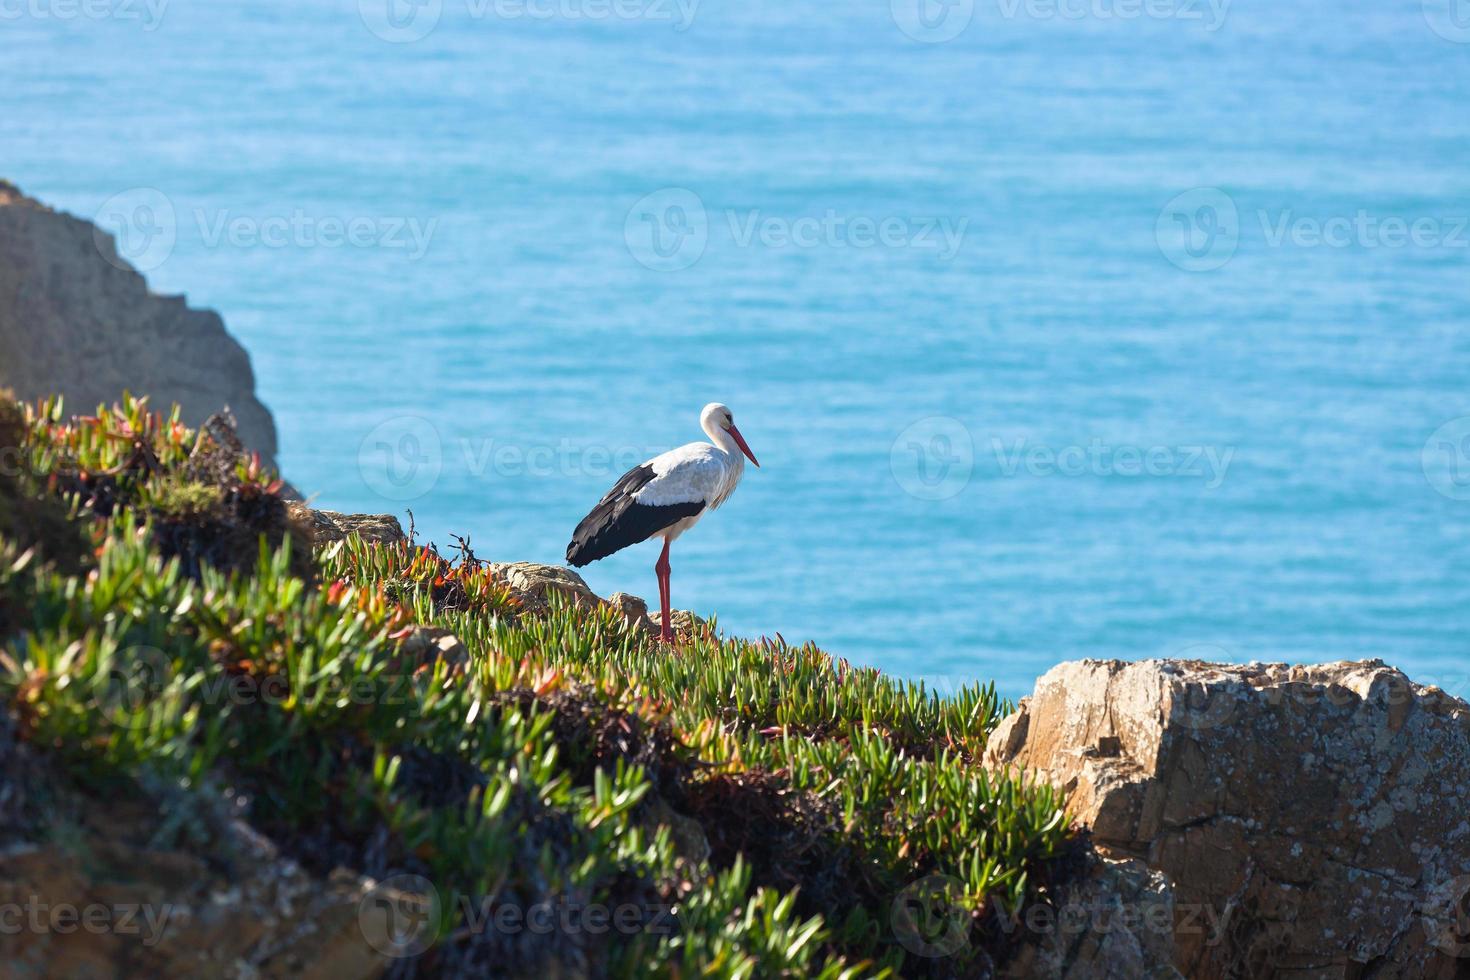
(1306, 821)
(77, 320)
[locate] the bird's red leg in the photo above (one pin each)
(666, 632)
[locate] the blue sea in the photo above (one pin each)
(1061, 328)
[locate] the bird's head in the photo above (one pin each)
(716, 418)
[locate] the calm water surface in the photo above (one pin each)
(1074, 335)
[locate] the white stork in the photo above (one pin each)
(665, 497)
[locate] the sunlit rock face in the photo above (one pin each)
(1313, 821)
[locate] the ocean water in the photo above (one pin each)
(1062, 328)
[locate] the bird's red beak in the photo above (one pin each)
(740, 441)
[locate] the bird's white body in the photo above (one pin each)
(698, 471)
(665, 497)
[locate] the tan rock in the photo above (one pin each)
(634, 609)
(1310, 819)
(682, 621)
(329, 525)
(429, 643)
(77, 319)
(534, 582)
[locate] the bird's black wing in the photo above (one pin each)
(618, 520)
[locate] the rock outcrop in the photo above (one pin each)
(425, 644)
(681, 621)
(1311, 821)
(329, 525)
(534, 583)
(76, 319)
(634, 609)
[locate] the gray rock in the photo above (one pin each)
(1118, 921)
(77, 320)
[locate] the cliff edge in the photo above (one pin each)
(76, 319)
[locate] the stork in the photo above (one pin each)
(665, 497)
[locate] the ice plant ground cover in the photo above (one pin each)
(166, 621)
